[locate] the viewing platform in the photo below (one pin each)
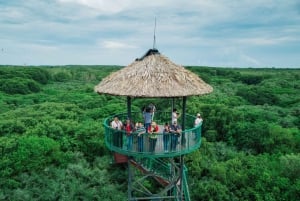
(166, 144)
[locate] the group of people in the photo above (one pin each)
(170, 136)
(134, 130)
(171, 133)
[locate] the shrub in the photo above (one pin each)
(258, 95)
(19, 86)
(61, 77)
(33, 153)
(42, 76)
(251, 79)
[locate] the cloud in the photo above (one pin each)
(260, 41)
(216, 32)
(103, 7)
(116, 45)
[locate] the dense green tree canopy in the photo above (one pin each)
(52, 138)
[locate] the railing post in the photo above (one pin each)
(183, 140)
(129, 107)
(129, 181)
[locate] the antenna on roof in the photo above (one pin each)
(154, 39)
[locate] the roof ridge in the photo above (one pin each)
(148, 53)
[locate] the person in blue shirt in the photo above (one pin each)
(140, 130)
(147, 115)
(166, 136)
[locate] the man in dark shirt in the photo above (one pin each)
(176, 132)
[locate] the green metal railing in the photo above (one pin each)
(188, 141)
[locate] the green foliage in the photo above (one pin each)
(10, 126)
(40, 75)
(258, 96)
(29, 154)
(61, 77)
(19, 86)
(240, 177)
(52, 138)
(290, 165)
(78, 181)
(251, 79)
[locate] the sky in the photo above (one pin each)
(217, 33)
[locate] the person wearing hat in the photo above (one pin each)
(152, 131)
(198, 122)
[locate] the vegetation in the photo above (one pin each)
(52, 139)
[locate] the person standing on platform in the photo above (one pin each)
(198, 122)
(128, 127)
(175, 115)
(175, 134)
(153, 130)
(166, 136)
(147, 118)
(152, 109)
(117, 137)
(140, 130)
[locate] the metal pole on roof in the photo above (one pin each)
(154, 37)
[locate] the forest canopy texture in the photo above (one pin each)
(52, 139)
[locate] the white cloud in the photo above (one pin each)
(259, 41)
(216, 32)
(102, 6)
(116, 45)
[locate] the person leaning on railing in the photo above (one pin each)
(166, 136)
(129, 128)
(140, 130)
(198, 122)
(117, 137)
(175, 131)
(152, 131)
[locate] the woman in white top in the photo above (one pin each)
(117, 136)
(116, 123)
(175, 115)
(198, 120)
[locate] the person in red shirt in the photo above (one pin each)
(129, 128)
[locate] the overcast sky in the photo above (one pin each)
(227, 33)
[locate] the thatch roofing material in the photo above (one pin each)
(153, 76)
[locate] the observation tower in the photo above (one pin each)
(159, 173)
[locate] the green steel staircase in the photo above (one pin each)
(166, 172)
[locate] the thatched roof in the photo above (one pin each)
(153, 75)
